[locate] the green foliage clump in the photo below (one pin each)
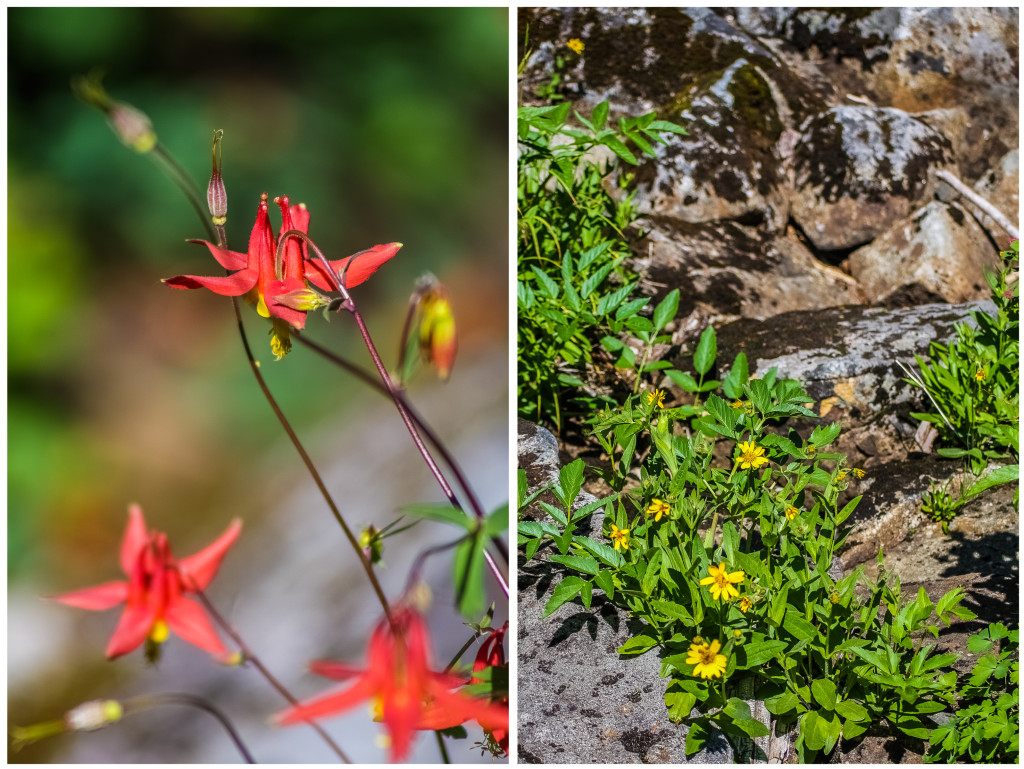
(571, 285)
(985, 728)
(974, 381)
(730, 567)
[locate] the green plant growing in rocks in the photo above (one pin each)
(974, 381)
(572, 287)
(731, 568)
(986, 724)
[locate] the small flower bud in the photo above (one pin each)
(132, 127)
(372, 544)
(302, 299)
(437, 328)
(93, 715)
(216, 192)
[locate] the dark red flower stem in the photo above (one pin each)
(425, 429)
(153, 701)
(250, 656)
(393, 391)
(314, 473)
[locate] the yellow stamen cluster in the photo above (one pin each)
(576, 45)
(980, 374)
(791, 513)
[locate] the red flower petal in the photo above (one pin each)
(189, 621)
(360, 266)
(276, 288)
(197, 570)
(135, 539)
(334, 670)
(131, 630)
(229, 260)
(97, 598)
(330, 704)
(229, 285)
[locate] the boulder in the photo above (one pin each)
(939, 254)
(858, 170)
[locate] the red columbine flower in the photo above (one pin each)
(258, 270)
(492, 655)
(398, 678)
(153, 592)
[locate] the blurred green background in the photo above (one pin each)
(390, 124)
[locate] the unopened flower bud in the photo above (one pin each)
(132, 127)
(93, 715)
(302, 299)
(372, 544)
(233, 660)
(216, 192)
(437, 329)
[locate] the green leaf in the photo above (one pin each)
(546, 284)
(1006, 474)
(824, 693)
(852, 711)
(739, 712)
(599, 116)
(652, 574)
(603, 579)
(443, 513)
(801, 629)
(666, 309)
(579, 563)
(682, 380)
(732, 385)
(564, 591)
(673, 611)
(679, 702)
(496, 521)
(781, 703)
(637, 645)
(469, 576)
(820, 730)
(759, 652)
(706, 352)
(570, 481)
(606, 553)
(619, 149)
(696, 737)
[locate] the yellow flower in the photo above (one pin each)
(707, 662)
(657, 508)
(620, 537)
(834, 598)
(858, 472)
(738, 403)
(576, 45)
(980, 374)
(791, 513)
(656, 396)
(744, 604)
(841, 476)
(811, 449)
(751, 455)
(722, 582)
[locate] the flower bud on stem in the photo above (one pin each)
(216, 193)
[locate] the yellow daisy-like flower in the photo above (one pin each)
(744, 604)
(657, 508)
(980, 374)
(841, 476)
(751, 455)
(811, 449)
(620, 537)
(791, 513)
(722, 582)
(707, 662)
(656, 396)
(738, 403)
(858, 472)
(576, 45)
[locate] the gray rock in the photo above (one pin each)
(941, 252)
(858, 170)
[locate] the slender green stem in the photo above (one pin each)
(153, 701)
(442, 748)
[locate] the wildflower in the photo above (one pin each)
(620, 537)
(834, 598)
(738, 403)
(858, 472)
(154, 591)
(707, 662)
(841, 476)
(791, 512)
(980, 374)
(657, 508)
(811, 449)
(722, 583)
(744, 604)
(576, 45)
(751, 455)
(133, 128)
(280, 290)
(491, 654)
(656, 397)
(398, 678)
